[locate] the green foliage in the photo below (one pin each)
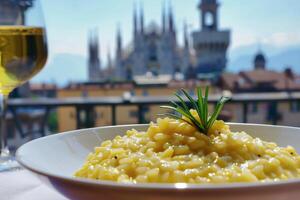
(53, 122)
(200, 106)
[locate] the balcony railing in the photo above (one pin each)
(87, 105)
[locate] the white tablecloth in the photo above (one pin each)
(22, 185)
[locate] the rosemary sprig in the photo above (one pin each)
(200, 106)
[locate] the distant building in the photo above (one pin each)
(210, 43)
(94, 63)
(12, 12)
(43, 90)
(154, 49)
(152, 87)
(260, 79)
(260, 61)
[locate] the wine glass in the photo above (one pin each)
(23, 53)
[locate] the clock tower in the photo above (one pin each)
(210, 43)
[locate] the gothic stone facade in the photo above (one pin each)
(154, 49)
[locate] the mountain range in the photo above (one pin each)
(63, 68)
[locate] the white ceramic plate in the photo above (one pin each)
(55, 158)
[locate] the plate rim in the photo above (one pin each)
(154, 186)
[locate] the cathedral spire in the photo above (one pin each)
(109, 60)
(119, 40)
(186, 59)
(94, 63)
(118, 71)
(142, 18)
(96, 41)
(171, 19)
(93, 45)
(135, 20)
(163, 18)
(185, 36)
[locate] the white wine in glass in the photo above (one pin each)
(23, 53)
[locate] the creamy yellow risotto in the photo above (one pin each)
(173, 151)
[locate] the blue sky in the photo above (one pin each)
(269, 22)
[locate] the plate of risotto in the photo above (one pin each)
(187, 153)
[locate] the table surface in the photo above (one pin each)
(23, 185)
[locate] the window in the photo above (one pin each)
(254, 107)
(99, 115)
(295, 106)
(272, 111)
(152, 52)
(84, 93)
(132, 93)
(146, 109)
(145, 93)
(72, 115)
(133, 114)
(209, 19)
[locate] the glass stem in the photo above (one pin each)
(3, 135)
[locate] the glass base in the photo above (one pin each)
(8, 162)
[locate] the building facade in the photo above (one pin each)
(287, 112)
(94, 64)
(210, 43)
(260, 81)
(12, 12)
(125, 114)
(154, 49)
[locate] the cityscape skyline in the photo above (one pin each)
(66, 37)
(154, 48)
